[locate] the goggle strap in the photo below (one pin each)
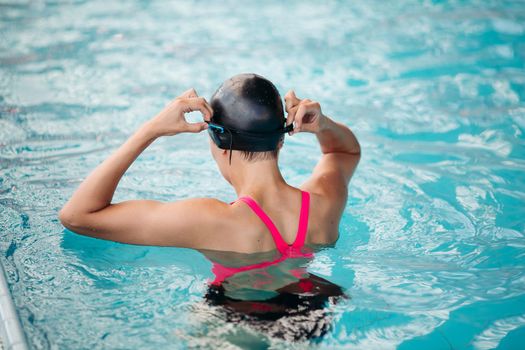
(286, 129)
(231, 144)
(221, 129)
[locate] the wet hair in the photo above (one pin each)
(250, 109)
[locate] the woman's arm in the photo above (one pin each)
(307, 117)
(341, 150)
(96, 191)
(337, 137)
(90, 212)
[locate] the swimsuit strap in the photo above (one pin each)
(303, 220)
(277, 237)
(222, 272)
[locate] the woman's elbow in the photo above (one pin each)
(65, 216)
(357, 148)
(355, 151)
(69, 218)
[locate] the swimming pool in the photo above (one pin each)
(431, 250)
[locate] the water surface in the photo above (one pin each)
(431, 250)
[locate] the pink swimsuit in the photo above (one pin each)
(294, 250)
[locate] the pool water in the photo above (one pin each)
(431, 253)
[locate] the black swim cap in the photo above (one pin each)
(247, 115)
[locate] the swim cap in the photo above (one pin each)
(247, 115)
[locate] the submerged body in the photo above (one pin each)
(274, 293)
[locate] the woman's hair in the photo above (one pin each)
(250, 103)
(253, 156)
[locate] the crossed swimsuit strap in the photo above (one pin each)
(223, 272)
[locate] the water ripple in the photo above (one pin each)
(431, 248)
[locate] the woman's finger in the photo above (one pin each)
(198, 104)
(190, 93)
(208, 107)
(196, 127)
(291, 100)
(299, 115)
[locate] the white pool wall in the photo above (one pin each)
(12, 336)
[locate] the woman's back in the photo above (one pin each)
(284, 218)
(266, 291)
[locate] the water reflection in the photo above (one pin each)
(274, 296)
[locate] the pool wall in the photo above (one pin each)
(11, 335)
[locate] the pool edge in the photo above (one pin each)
(12, 336)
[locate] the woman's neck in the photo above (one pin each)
(257, 179)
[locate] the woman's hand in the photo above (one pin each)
(305, 114)
(171, 121)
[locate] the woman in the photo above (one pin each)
(246, 124)
(258, 245)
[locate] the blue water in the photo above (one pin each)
(431, 250)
